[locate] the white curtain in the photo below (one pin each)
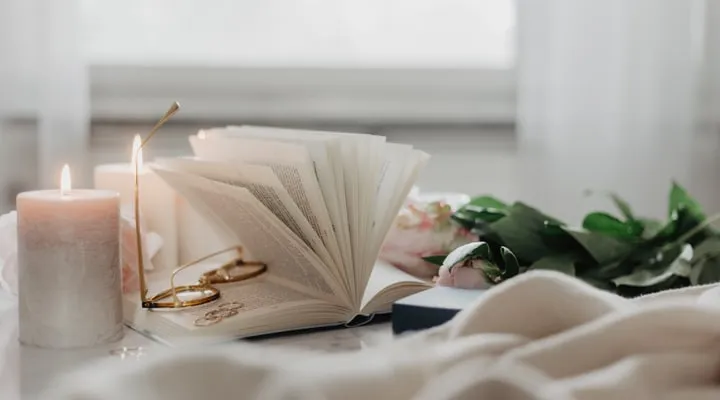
(617, 95)
(43, 79)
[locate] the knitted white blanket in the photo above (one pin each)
(541, 335)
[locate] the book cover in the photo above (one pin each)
(430, 308)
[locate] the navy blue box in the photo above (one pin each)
(430, 308)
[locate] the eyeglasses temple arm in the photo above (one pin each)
(138, 238)
(168, 114)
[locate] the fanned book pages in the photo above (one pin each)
(314, 206)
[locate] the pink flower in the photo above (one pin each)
(423, 228)
(463, 277)
(405, 249)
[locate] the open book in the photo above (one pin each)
(314, 206)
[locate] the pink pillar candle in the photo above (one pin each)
(69, 268)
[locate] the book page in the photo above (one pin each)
(359, 154)
(236, 211)
(377, 178)
(256, 297)
(293, 168)
(268, 305)
(402, 174)
(398, 173)
(361, 161)
(372, 162)
(402, 166)
(388, 284)
(325, 153)
(264, 185)
(397, 156)
(354, 154)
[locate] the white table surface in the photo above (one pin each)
(26, 371)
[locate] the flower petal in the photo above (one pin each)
(444, 277)
(469, 278)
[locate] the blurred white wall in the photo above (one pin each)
(297, 33)
(67, 64)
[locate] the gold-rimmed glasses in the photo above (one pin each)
(203, 291)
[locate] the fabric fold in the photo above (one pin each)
(539, 336)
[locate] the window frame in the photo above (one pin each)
(322, 95)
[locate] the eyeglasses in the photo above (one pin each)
(203, 291)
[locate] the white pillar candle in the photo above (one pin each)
(157, 203)
(69, 267)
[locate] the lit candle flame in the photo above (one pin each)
(65, 182)
(137, 150)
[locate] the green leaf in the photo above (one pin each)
(606, 272)
(623, 206)
(650, 277)
(654, 260)
(603, 249)
(492, 272)
(651, 227)
(553, 229)
(488, 202)
(673, 282)
(644, 257)
(604, 223)
(464, 220)
(470, 251)
(512, 267)
(706, 262)
(708, 248)
(482, 251)
(705, 271)
(485, 214)
(564, 263)
(437, 260)
(680, 198)
(479, 212)
(635, 226)
(681, 222)
(521, 230)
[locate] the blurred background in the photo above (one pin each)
(536, 100)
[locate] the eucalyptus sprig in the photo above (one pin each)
(625, 254)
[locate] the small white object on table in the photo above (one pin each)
(69, 267)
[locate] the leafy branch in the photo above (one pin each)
(626, 254)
